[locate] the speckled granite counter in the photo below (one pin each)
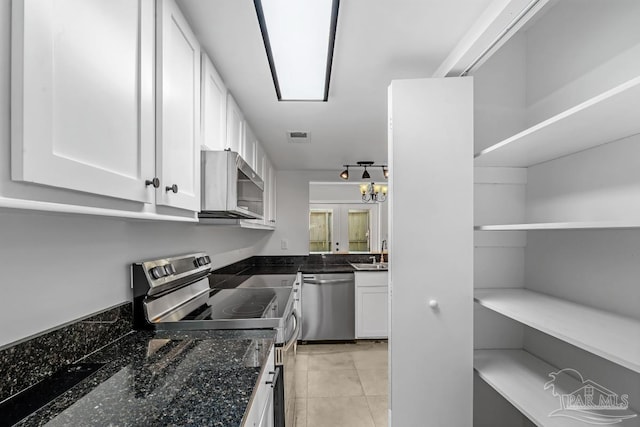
(165, 378)
(312, 264)
(326, 268)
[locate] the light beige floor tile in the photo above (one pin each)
(375, 382)
(328, 348)
(331, 361)
(379, 406)
(301, 384)
(334, 383)
(339, 412)
(302, 362)
(374, 359)
(301, 412)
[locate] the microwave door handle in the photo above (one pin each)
(294, 335)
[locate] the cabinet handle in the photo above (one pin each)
(272, 378)
(155, 182)
(173, 188)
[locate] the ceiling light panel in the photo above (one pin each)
(299, 37)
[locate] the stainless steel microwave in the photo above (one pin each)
(230, 188)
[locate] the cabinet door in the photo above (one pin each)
(272, 194)
(260, 156)
(431, 257)
(235, 127)
(249, 147)
(269, 194)
(372, 305)
(178, 110)
(82, 112)
(214, 107)
(266, 418)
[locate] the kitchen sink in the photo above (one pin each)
(364, 266)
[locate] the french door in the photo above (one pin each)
(343, 227)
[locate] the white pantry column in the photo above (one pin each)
(431, 252)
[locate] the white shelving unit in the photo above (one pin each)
(608, 335)
(575, 126)
(581, 225)
(520, 378)
(610, 116)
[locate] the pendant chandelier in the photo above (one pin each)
(371, 192)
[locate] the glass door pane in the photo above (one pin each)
(320, 230)
(359, 230)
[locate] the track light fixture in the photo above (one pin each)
(364, 164)
(370, 192)
(345, 173)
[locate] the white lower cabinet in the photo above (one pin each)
(372, 304)
(260, 410)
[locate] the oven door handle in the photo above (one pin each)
(296, 331)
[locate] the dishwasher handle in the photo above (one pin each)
(327, 281)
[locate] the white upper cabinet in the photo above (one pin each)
(269, 193)
(214, 107)
(260, 160)
(178, 110)
(82, 96)
(235, 127)
(249, 150)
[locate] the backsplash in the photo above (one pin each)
(24, 364)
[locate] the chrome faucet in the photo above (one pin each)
(373, 259)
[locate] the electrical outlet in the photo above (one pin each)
(284, 244)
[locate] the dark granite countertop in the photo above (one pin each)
(326, 268)
(165, 378)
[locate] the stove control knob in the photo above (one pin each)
(203, 260)
(158, 272)
(170, 269)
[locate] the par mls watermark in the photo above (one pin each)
(586, 400)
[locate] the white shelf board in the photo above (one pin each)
(520, 378)
(610, 116)
(608, 335)
(578, 225)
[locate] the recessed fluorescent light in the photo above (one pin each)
(299, 36)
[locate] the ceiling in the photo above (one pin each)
(376, 41)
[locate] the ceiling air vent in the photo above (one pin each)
(298, 137)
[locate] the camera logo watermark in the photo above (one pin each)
(586, 400)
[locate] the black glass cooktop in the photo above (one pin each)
(221, 304)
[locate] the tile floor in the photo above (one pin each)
(342, 385)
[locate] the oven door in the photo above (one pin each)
(286, 357)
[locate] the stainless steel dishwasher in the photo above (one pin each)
(328, 307)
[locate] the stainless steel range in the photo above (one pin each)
(174, 294)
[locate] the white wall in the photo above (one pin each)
(57, 268)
